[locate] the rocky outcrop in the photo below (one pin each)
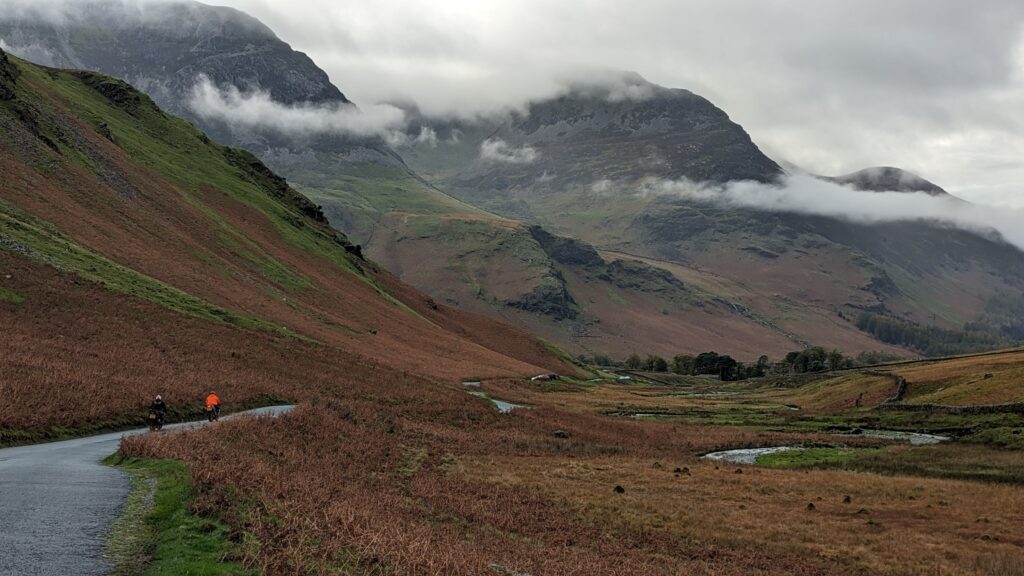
(566, 250)
(642, 277)
(8, 77)
(882, 286)
(119, 92)
(550, 298)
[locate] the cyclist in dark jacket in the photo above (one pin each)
(158, 405)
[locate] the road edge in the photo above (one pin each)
(156, 533)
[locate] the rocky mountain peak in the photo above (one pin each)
(888, 179)
(182, 40)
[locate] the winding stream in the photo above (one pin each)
(747, 455)
(501, 405)
(750, 455)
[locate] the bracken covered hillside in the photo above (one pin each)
(138, 256)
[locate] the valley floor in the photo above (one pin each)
(604, 477)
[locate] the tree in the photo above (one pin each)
(634, 362)
(660, 365)
(726, 368)
(683, 364)
(789, 362)
(706, 363)
(814, 359)
(836, 360)
(763, 364)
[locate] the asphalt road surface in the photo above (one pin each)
(57, 502)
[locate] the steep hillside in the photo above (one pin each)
(182, 40)
(459, 254)
(586, 166)
(590, 165)
(136, 254)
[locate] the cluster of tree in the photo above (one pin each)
(652, 363)
(816, 359)
(724, 367)
(727, 368)
(1004, 313)
(930, 340)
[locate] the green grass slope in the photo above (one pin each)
(137, 255)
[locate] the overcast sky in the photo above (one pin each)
(934, 86)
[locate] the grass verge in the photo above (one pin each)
(814, 457)
(157, 535)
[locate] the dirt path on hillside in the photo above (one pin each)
(57, 502)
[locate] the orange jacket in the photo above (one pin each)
(212, 400)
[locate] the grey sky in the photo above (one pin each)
(934, 86)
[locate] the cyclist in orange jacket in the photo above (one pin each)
(212, 406)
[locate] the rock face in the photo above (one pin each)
(566, 250)
(595, 135)
(164, 48)
(549, 299)
(182, 40)
(8, 77)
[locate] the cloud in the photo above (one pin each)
(497, 150)
(33, 52)
(933, 86)
(257, 109)
(802, 194)
(611, 85)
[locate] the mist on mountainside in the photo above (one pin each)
(804, 194)
(257, 109)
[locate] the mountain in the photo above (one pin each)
(594, 135)
(460, 254)
(468, 214)
(136, 255)
(183, 40)
(593, 165)
(362, 185)
(888, 179)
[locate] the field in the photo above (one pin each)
(607, 478)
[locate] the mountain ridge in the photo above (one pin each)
(888, 179)
(444, 215)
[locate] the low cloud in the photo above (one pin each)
(257, 109)
(803, 194)
(610, 85)
(427, 136)
(32, 52)
(497, 150)
(936, 86)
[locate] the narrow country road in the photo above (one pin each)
(57, 502)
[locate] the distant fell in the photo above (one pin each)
(888, 179)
